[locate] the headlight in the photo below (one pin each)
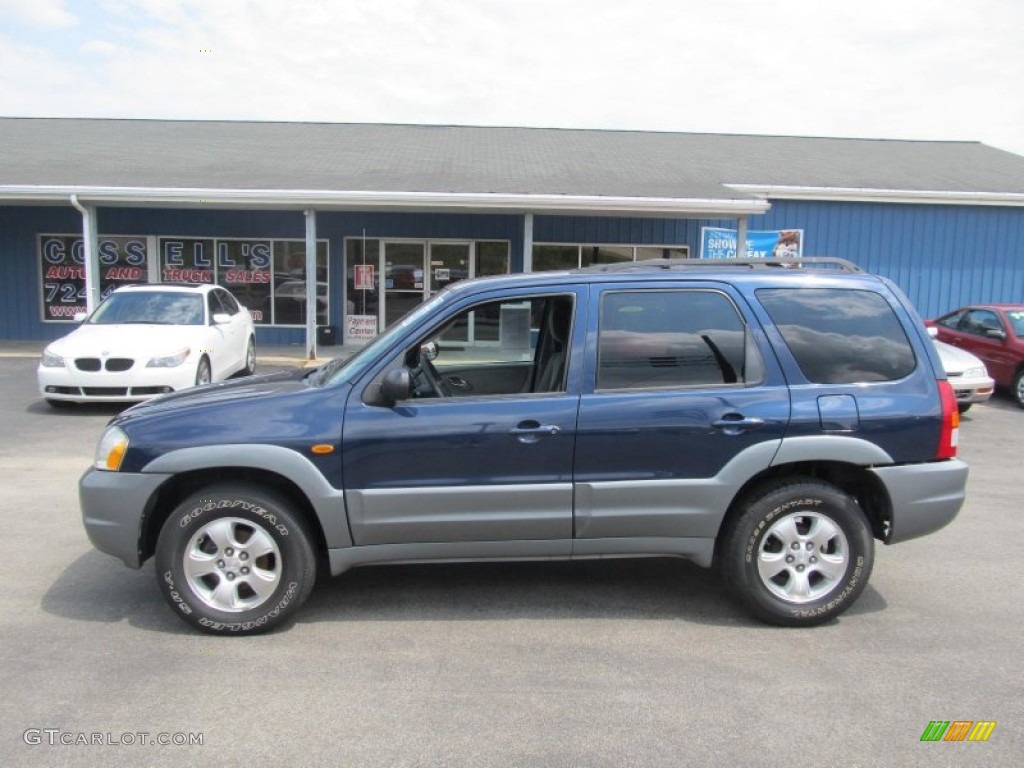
(975, 373)
(51, 360)
(171, 361)
(111, 449)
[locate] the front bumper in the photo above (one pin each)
(972, 390)
(134, 385)
(925, 497)
(114, 506)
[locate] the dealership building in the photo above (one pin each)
(386, 215)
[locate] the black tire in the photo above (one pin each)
(964, 407)
(238, 538)
(804, 585)
(1017, 388)
(250, 358)
(203, 375)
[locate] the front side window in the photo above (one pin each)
(675, 338)
(509, 347)
(840, 336)
(980, 321)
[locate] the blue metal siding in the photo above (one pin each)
(941, 256)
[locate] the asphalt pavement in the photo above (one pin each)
(597, 663)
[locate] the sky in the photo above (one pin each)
(885, 69)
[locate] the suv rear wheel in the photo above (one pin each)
(799, 554)
(231, 560)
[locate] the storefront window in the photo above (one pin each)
(549, 256)
(122, 261)
(554, 257)
(491, 259)
(267, 276)
(290, 283)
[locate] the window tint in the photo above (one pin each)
(840, 336)
(681, 338)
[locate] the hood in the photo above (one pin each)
(956, 360)
(135, 341)
(246, 388)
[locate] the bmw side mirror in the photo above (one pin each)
(80, 316)
(220, 318)
(397, 386)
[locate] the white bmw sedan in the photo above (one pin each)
(147, 340)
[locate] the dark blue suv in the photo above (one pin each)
(773, 418)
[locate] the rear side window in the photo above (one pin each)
(840, 336)
(673, 338)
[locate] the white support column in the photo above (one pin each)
(528, 242)
(90, 239)
(741, 237)
(311, 284)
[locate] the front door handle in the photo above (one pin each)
(532, 431)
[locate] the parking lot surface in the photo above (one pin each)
(595, 663)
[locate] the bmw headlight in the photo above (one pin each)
(51, 360)
(111, 449)
(170, 361)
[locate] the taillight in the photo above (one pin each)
(950, 434)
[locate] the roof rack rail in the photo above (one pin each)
(812, 262)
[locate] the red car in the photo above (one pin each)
(995, 333)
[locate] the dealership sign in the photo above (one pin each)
(719, 243)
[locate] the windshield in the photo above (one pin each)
(150, 308)
(1016, 317)
(339, 370)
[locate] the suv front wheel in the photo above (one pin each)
(799, 553)
(232, 560)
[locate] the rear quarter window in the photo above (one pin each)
(840, 336)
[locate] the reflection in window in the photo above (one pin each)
(840, 336)
(681, 338)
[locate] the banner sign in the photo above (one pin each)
(719, 243)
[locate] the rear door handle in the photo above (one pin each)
(736, 424)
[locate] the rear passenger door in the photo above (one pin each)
(682, 400)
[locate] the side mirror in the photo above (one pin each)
(80, 316)
(932, 331)
(995, 333)
(397, 386)
(220, 318)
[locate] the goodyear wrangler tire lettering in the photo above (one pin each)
(799, 553)
(235, 560)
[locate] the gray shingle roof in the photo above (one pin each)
(443, 159)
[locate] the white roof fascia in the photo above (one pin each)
(867, 195)
(491, 202)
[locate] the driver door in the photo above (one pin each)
(478, 452)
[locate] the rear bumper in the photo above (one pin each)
(925, 497)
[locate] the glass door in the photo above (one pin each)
(404, 279)
(449, 263)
